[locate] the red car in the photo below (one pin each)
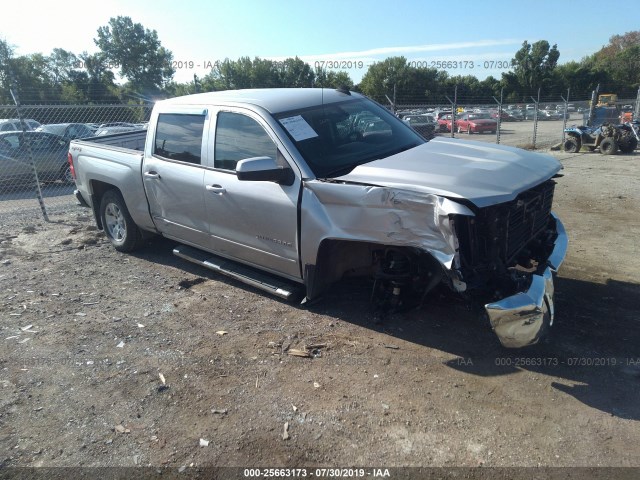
(476, 123)
(444, 123)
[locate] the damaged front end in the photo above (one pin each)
(509, 253)
(523, 318)
(504, 254)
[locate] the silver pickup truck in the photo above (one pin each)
(290, 190)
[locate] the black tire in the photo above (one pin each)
(119, 227)
(608, 146)
(628, 142)
(572, 145)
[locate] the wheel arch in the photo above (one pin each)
(337, 258)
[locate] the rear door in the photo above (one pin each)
(253, 222)
(173, 176)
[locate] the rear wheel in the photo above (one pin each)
(608, 146)
(572, 145)
(628, 142)
(121, 230)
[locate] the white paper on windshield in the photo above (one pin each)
(298, 128)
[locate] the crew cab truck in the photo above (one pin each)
(290, 190)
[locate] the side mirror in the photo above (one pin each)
(263, 169)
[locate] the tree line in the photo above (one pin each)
(146, 68)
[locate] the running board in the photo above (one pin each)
(251, 276)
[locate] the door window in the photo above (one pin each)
(238, 137)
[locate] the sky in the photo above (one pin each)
(350, 34)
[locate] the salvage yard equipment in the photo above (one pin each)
(608, 138)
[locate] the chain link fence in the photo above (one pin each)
(34, 142)
(34, 139)
(533, 125)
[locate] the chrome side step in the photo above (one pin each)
(251, 276)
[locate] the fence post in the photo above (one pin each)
(636, 111)
(16, 100)
(499, 115)
(592, 107)
(454, 107)
(535, 119)
(566, 115)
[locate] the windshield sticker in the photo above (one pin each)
(298, 128)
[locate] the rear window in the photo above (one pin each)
(179, 137)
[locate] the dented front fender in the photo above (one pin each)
(388, 216)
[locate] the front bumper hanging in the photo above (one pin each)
(520, 320)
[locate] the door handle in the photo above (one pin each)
(153, 175)
(216, 189)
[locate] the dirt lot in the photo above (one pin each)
(88, 335)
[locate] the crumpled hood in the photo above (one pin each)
(484, 173)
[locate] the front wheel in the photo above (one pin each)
(572, 145)
(122, 232)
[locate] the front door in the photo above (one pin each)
(254, 222)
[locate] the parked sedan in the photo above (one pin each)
(14, 125)
(476, 123)
(425, 125)
(444, 122)
(506, 116)
(549, 115)
(70, 131)
(48, 151)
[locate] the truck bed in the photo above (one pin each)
(113, 161)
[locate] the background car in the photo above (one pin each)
(70, 131)
(549, 115)
(506, 116)
(425, 125)
(49, 153)
(444, 122)
(13, 124)
(476, 123)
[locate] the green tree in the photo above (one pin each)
(533, 65)
(621, 59)
(137, 52)
(409, 84)
(332, 79)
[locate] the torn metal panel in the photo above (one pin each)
(380, 215)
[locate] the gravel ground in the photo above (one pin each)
(143, 360)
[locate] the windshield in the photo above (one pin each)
(335, 138)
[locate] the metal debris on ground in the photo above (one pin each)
(221, 412)
(120, 345)
(285, 433)
(298, 353)
(204, 443)
(162, 378)
(221, 332)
